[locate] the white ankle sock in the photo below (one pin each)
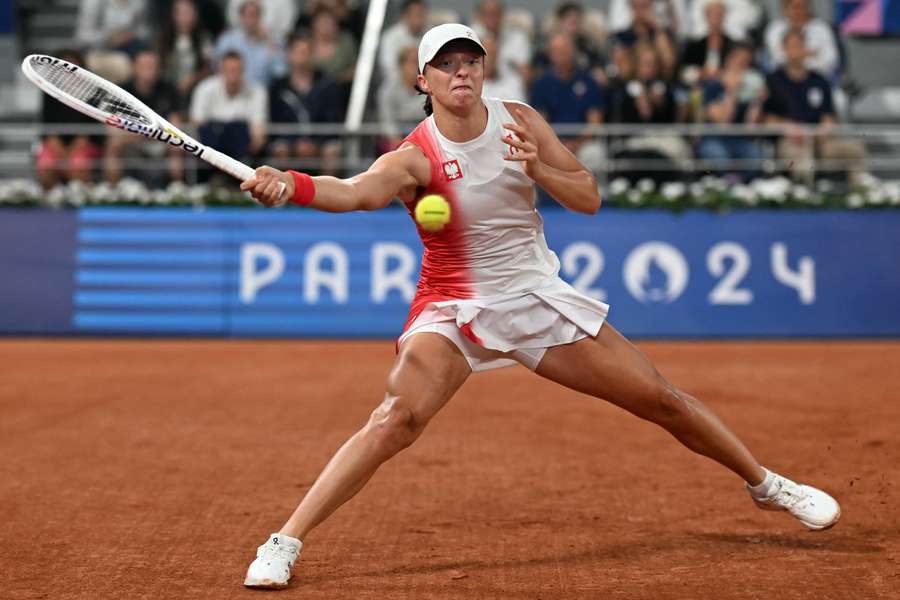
(764, 488)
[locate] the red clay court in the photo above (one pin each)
(153, 469)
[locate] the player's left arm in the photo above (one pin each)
(548, 162)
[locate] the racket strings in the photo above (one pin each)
(88, 91)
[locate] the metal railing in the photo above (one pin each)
(675, 146)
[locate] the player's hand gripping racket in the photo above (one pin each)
(96, 97)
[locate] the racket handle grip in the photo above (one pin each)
(225, 163)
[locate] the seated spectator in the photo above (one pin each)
(703, 58)
(821, 46)
(508, 87)
(670, 14)
(571, 20)
(399, 103)
(402, 34)
(565, 94)
(185, 48)
(64, 156)
(278, 17)
(650, 97)
(618, 74)
(798, 98)
(350, 15)
(116, 25)
(513, 48)
(229, 111)
(147, 86)
(263, 54)
(306, 95)
(743, 19)
(646, 29)
(735, 96)
(209, 14)
(334, 51)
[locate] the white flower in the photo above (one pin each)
(56, 197)
(892, 191)
(876, 196)
(855, 200)
(801, 193)
(824, 186)
(775, 189)
(673, 190)
(161, 197)
(634, 197)
(646, 185)
(618, 186)
(744, 193)
(697, 189)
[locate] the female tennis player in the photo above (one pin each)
(489, 293)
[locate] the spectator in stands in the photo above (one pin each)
(162, 97)
(306, 95)
(185, 48)
(821, 47)
(650, 97)
(670, 14)
(505, 87)
(735, 96)
(64, 156)
(399, 104)
(570, 19)
(619, 73)
(743, 19)
(263, 55)
(565, 94)
(513, 47)
(210, 15)
(231, 112)
(646, 29)
(350, 15)
(703, 58)
(117, 25)
(334, 51)
(799, 98)
(278, 17)
(405, 32)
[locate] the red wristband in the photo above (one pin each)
(304, 189)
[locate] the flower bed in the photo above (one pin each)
(709, 192)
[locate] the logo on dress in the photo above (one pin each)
(452, 170)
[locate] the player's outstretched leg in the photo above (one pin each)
(610, 367)
(426, 374)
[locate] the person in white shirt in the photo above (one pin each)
(671, 15)
(278, 16)
(741, 18)
(512, 44)
(508, 86)
(112, 24)
(405, 32)
(822, 51)
(231, 112)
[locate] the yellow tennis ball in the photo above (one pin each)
(432, 212)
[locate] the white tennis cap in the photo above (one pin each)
(435, 38)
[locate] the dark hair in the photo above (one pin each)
(427, 107)
(567, 7)
(407, 3)
(199, 35)
(232, 54)
(300, 35)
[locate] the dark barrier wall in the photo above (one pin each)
(255, 272)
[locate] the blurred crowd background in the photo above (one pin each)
(661, 89)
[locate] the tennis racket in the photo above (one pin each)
(100, 99)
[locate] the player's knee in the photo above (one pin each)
(392, 426)
(670, 406)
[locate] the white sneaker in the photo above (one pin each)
(812, 507)
(274, 559)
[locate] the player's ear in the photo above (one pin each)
(422, 85)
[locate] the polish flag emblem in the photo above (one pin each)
(452, 170)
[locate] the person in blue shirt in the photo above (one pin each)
(263, 56)
(800, 99)
(567, 95)
(734, 97)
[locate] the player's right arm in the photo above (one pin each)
(403, 169)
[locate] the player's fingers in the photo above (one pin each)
(270, 193)
(248, 185)
(523, 132)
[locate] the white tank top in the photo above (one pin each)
(494, 244)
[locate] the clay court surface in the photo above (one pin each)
(153, 469)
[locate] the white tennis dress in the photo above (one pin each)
(489, 282)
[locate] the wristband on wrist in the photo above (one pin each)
(304, 189)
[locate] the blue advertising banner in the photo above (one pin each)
(245, 272)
